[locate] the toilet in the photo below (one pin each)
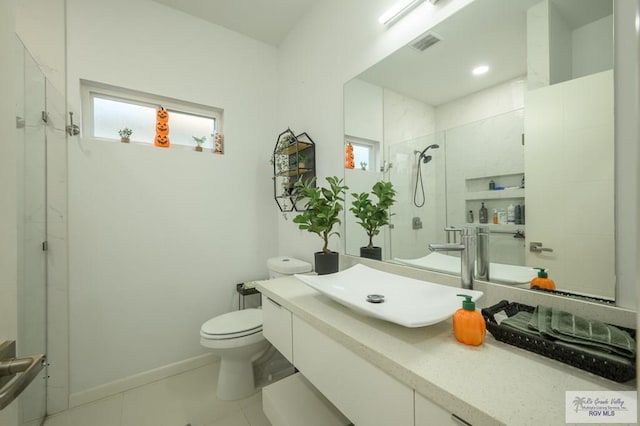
(236, 337)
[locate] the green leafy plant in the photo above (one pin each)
(372, 216)
(200, 140)
(323, 207)
(363, 165)
(125, 133)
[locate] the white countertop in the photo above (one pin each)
(492, 384)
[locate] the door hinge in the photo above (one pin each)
(45, 117)
(45, 245)
(523, 139)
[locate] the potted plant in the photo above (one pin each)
(363, 165)
(199, 142)
(125, 134)
(323, 207)
(372, 216)
(301, 161)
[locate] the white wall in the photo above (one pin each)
(158, 238)
(8, 186)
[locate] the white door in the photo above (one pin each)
(569, 194)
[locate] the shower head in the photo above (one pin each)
(434, 146)
(426, 158)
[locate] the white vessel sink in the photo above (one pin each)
(407, 301)
(498, 272)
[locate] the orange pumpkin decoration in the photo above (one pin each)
(348, 160)
(162, 141)
(162, 128)
(162, 115)
(543, 281)
(469, 326)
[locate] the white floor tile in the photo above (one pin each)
(180, 400)
(106, 412)
(253, 411)
(235, 419)
(187, 398)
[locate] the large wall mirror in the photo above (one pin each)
(531, 140)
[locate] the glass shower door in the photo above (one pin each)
(31, 137)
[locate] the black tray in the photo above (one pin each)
(604, 367)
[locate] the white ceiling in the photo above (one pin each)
(266, 20)
(491, 32)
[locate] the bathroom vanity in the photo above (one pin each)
(379, 373)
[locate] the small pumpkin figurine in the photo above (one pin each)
(162, 128)
(162, 115)
(162, 141)
(469, 326)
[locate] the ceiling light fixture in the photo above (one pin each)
(400, 9)
(480, 69)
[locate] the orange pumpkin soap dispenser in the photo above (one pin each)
(543, 281)
(468, 324)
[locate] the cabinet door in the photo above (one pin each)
(277, 327)
(361, 391)
(428, 413)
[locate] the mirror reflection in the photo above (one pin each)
(524, 149)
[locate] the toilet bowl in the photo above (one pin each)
(236, 337)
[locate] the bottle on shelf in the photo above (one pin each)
(518, 214)
(511, 214)
(495, 216)
(492, 185)
(482, 214)
(470, 216)
(502, 217)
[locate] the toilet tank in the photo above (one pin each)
(283, 265)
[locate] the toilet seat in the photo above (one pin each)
(233, 325)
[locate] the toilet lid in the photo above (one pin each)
(234, 324)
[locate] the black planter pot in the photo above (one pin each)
(371, 253)
(326, 263)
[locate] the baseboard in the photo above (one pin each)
(137, 380)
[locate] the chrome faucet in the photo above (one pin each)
(482, 240)
(467, 249)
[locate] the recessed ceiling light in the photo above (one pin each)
(480, 69)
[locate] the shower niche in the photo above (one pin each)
(507, 190)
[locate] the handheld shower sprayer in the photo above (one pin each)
(425, 159)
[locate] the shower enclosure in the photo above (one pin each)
(40, 122)
(442, 176)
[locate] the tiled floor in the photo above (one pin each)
(187, 398)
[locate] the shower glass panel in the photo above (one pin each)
(31, 137)
(414, 228)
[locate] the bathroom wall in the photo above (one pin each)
(158, 238)
(311, 100)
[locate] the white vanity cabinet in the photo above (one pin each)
(362, 392)
(276, 327)
(428, 414)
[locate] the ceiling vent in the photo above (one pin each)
(425, 41)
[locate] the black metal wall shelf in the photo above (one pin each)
(294, 159)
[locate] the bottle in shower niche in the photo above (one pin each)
(511, 214)
(482, 214)
(502, 217)
(470, 216)
(518, 215)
